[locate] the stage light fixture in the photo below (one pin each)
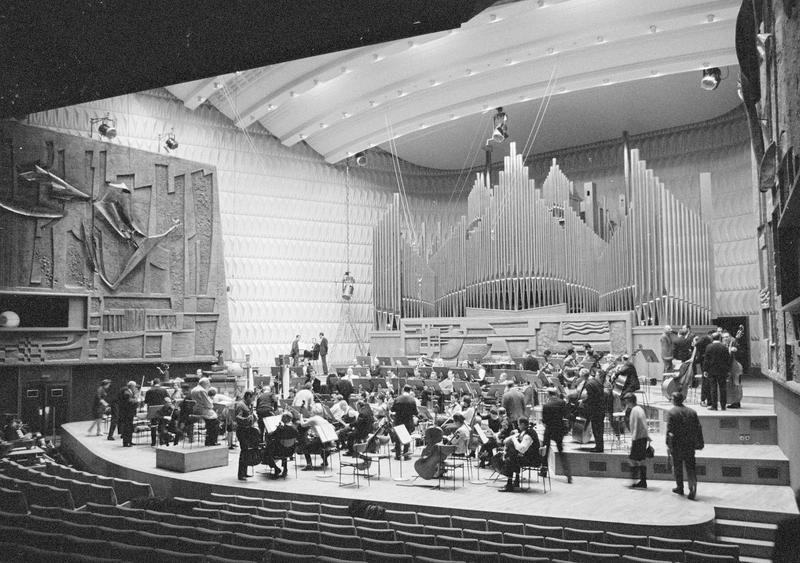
(170, 143)
(107, 127)
(711, 78)
(361, 158)
(500, 131)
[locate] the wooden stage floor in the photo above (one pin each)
(606, 503)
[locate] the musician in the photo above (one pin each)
(627, 371)
(405, 411)
(438, 361)
(167, 423)
(684, 436)
(360, 429)
(547, 367)
(589, 359)
(522, 449)
(308, 438)
(716, 365)
(446, 385)
(266, 405)
(345, 385)
(530, 363)
(682, 347)
(340, 408)
(514, 402)
(594, 406)
(461, 435)
(128, 402)
(155, 395)
(667, 348)
(295, 351)
(100, 405)
(175, 391)
(323, 352)
(304, 398)
(486, 451)
(701, 342)
(555, 412)
(281, 445)
(245, 420)
(637, 422)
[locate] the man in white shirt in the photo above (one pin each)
(460, 437)
(304, 397)
(204, 407)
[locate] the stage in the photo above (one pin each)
(605, 503)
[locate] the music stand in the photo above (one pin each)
(484, 439)
(401, 432)
(327, 435)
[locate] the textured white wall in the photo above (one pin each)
(283, 218)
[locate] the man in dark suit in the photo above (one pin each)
(554, 413)
(716, 365)
(684, 436)
(530, 363)
(345, 388)
(295, 352)
(595, 407)
(128, 401)
(700, 343)
(787, 538)
(405, 411)
(323, 352)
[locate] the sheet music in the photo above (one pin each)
(271, 423)
(402, 434)
(326, 432)
(481, 434)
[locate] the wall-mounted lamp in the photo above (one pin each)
(170, 142)
(361, 158)
(107, 127)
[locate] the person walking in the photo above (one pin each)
(684, 436)
(100, 406)
(637, 423)
(554, 412)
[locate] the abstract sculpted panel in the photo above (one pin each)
(124, 244)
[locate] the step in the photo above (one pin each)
(754, 423)
(754, 560)
(750, 548)
(747, 515)
(740, 529)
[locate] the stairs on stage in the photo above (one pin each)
(752, 530)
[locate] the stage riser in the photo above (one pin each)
(733, 429)
(745, 530)
(741, 471)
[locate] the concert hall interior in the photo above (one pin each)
(453, 280)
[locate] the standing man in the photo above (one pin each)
(127, 410)
(684, 436)
(637, 422)
(405, 411)
(245, 420)
(204, 407)
(554, 413)
(114, 404)
(323, 352)
(701, 342)
(630, 378)
(522, 450)
(155, 395)
(295, 352)
(530, 363)
(667, 348)
(594, 404)
(100, 405)
(716, 364)
(513, 402)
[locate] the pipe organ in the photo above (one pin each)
(522, 248)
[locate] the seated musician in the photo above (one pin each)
(569, 375)
(308, 439)
(530, 363)
(304, 398)
(281, 445)
(167, 423)
(486, 450)
(359, 430)
(589, 359)
(461, 435)
(627, 373)
(522, 450)
(446, 385)
(266, 406)
(547, 366)
(340, 408)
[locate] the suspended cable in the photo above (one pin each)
(399, 178)
(548, 92)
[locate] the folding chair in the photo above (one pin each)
(546, 531)
(404, 516)
(415, 538)
(358, 466)
(659, 554)
(505, 527)
(468, 523)
(440, 552)
(566, 544)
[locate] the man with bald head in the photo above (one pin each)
(204, 407)
(128, 402)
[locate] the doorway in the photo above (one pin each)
(44, 406)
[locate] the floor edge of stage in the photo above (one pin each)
(606, 503)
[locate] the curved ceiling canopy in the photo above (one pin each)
(515, 55)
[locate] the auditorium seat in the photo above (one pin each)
(241, 517)
(549, 552)
(298, 547)
(220, 497)
(613, 537)
(669, 543)
(635, 559)
(586, 535)
(50, 541)
(178, 557)
(546, 531)
(468, 523)
(442, 531)
(380, 557)
(266, 521)
(408, 528)
(382, 546)
(305, 506)
(45, 495)
(337, 529)
(241, 553)
(304, 516)
(84, 546)
(424, 550)
(155, 541)
(675, 555)
(214, 505)
(339, 540)
(197, 546)
(277, 555)
(335, 510)
(712, 548)
(223, 525)
(402, 516)
(484, 536)
(500, 526)
(300, 535)
(696, 557)
(87, 492)
(341, 553)
(13, 501)
(508, 558)
(335, 519)
(271, 512)
(375, 533)
(370, 523)
(205, 512)
(132, 553)
(580, 556)
(277, 504)
(615, 548)
(128, 490)
(427, 519)
(184, 520)
(523, 539)
(159, 516)
(142, 525)
(421, 559)
(246, 540)
(104, 481)
(462, 543)
(496, 547)
(566, 544)
(419, 538)
(184, 504)
(248, 501)
(469, 555)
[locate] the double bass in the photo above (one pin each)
(681, 380)
(734, 382)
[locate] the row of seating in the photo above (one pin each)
(112, 490)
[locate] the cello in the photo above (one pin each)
(429, 462)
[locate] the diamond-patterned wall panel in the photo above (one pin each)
(284, 219)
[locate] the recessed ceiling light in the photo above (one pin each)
(410, 43)
(345, 115)
(293, 94)
(344, 69)
(323, 125)
(606, 81)
(600, 39)
(422, 126)
(373, 103)
(217, 85)
(452, 116)
(653, 29)
(550, 50)
(509, 61)
(433, 82)
(654, 73)
(201, 99)
(710, 18)
(400, 93)
(562, 89)
(270, 107)
(706, 65)
(302, 137)
(376, 57)
(468, 71)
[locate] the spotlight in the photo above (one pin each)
(107, 127)
(361, 158)
(500, 132)
(170, 142)
(711, 78)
